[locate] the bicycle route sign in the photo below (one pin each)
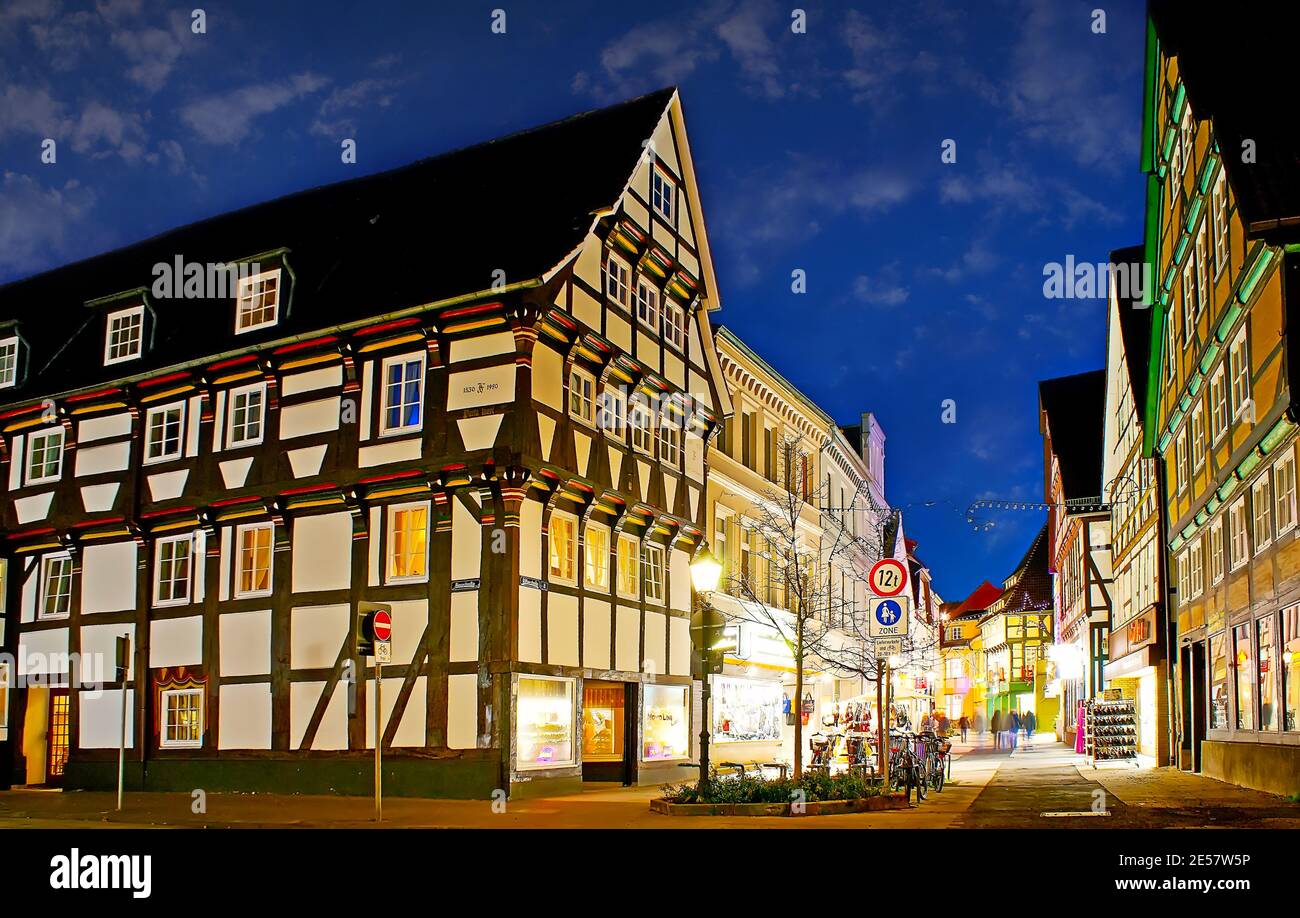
(888, 617)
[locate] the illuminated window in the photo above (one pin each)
(56, 586)
(162, 437)
(544, 722)
(408, 542)
(596, 556)
(247, 413)
(182, 718)
(1243, 658)
(258, 301)
(629, 567)
(45, 456)
(564, 548)
(125, 337)
(666, 732)
(582, 395)
(403, 399)
(618, 281)
(253, 560)
(652, 571)
(172, 569)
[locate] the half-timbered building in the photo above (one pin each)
(477, 388)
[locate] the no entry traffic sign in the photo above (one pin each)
(383, 625)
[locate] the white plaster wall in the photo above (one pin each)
(322, 552)
(245, 721)
(108, 577)
(176, 641)
(245, 639)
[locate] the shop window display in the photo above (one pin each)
(1291, 668)
(544, 731)
(666, 732)
(1244, 663)
(1267, 688)
(603, 725)
(1219, 682)
(745, 710)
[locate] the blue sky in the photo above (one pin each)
(817, 151)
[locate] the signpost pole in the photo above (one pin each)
(883, 736)
(379, 741)
(123, 667)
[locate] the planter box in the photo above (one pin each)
(818, 808)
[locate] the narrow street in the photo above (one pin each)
(990, 788)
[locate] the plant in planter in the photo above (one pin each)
(816, 787)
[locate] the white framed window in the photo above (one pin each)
(45, 456)
(613, 411)
(1202, 271)
(582, 395)
(1180, 460)
(1184, 577)
(1198, 436)
(1219, 414)
(247, 416)
(56, 586)
(1196, 565)
(407, 550)
(173, 566)
(1261, 505)
(596, 556)
(1238, 537)
(674, 324)
(628, 559)
(1216, 551)
(647, 304)
(1219, 214)
(182, 720)
(1284, 492)
(618, 280)
(254, 548)
(124, 339)
(1171, 352)
(1239, 358)
(642, 423)
(8, 362)
(402, 410)
(663, 194)
(670, 441)
(652, 571)
(1186, 139)
(1189, 298)
(563, 540)
(258, 301)
(164, 429)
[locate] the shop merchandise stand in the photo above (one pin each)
(1110, 733)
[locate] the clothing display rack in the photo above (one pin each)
(1110, 729)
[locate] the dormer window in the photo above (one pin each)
(663, 194)
(8, 362)
(258, 302)
(125, 337)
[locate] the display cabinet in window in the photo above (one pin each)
(544, 719)
(666, 731)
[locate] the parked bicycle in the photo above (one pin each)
(906, 767)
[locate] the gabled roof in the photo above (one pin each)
(436, 229)
(980, 599)
(1236, 63)
(1030, 585)
(1134, 326)
(1075, 411)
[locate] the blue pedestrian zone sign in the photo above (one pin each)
(889, 616)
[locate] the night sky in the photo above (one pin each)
(817, 151)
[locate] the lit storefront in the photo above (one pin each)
(1137, 669)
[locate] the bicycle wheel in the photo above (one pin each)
(937, 774)
(920, 780)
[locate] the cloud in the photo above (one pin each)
(882, 290)
(35, 221)
(153, 52)
(336, 117)
(977, 259)
(226, 119)
(103, 131)
(97, 131)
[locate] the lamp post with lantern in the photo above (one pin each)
(707, 625)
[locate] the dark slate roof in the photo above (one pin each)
(1134, 327)
(1076, 409)
(1237, 61)
(1030, 586)
(432, 230)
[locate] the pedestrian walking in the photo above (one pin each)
(996, 726)
(1031, 726)
(964, 725)
(1013, 728)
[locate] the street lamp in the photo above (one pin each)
(706, 626)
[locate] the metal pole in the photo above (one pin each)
(881, 732)
(379, 742)
(704, 705)
(121, 747)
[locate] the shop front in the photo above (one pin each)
(569, 730)
(1137, 668)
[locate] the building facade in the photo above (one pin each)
(1137, 654)
(1078, 525)
(1221, 411)
(504, 440)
